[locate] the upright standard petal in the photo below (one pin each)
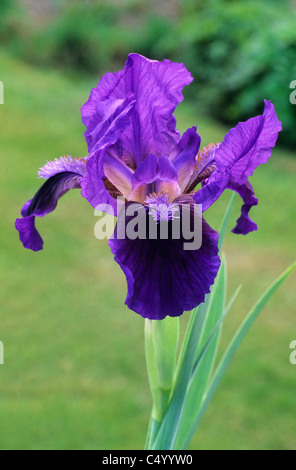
(156, 88)
(163, 278)
(109, 119)
(105, 126)
(46, 199)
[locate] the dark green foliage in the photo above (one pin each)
(4, 6)
(241, 53)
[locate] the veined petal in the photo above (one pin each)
(248, 145)
(163, 278)
(245, 147)
(157, 90)
(109, 119)
(244, 224)
(44, 201)
(94, 183)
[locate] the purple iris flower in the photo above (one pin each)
(136, 152)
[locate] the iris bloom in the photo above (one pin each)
(136, 152)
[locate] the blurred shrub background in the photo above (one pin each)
(74, 375)
(237, 51)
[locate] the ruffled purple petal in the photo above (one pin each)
(157, 89)
(110, 118)
(106, 123)
(248, 145)
(245, 147)
(94, 184)
(44, 202)
(244, 224)
(29, 235)
(164, 279)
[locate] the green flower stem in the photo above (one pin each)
(161, 343)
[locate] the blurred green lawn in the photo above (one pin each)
(74, 374)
